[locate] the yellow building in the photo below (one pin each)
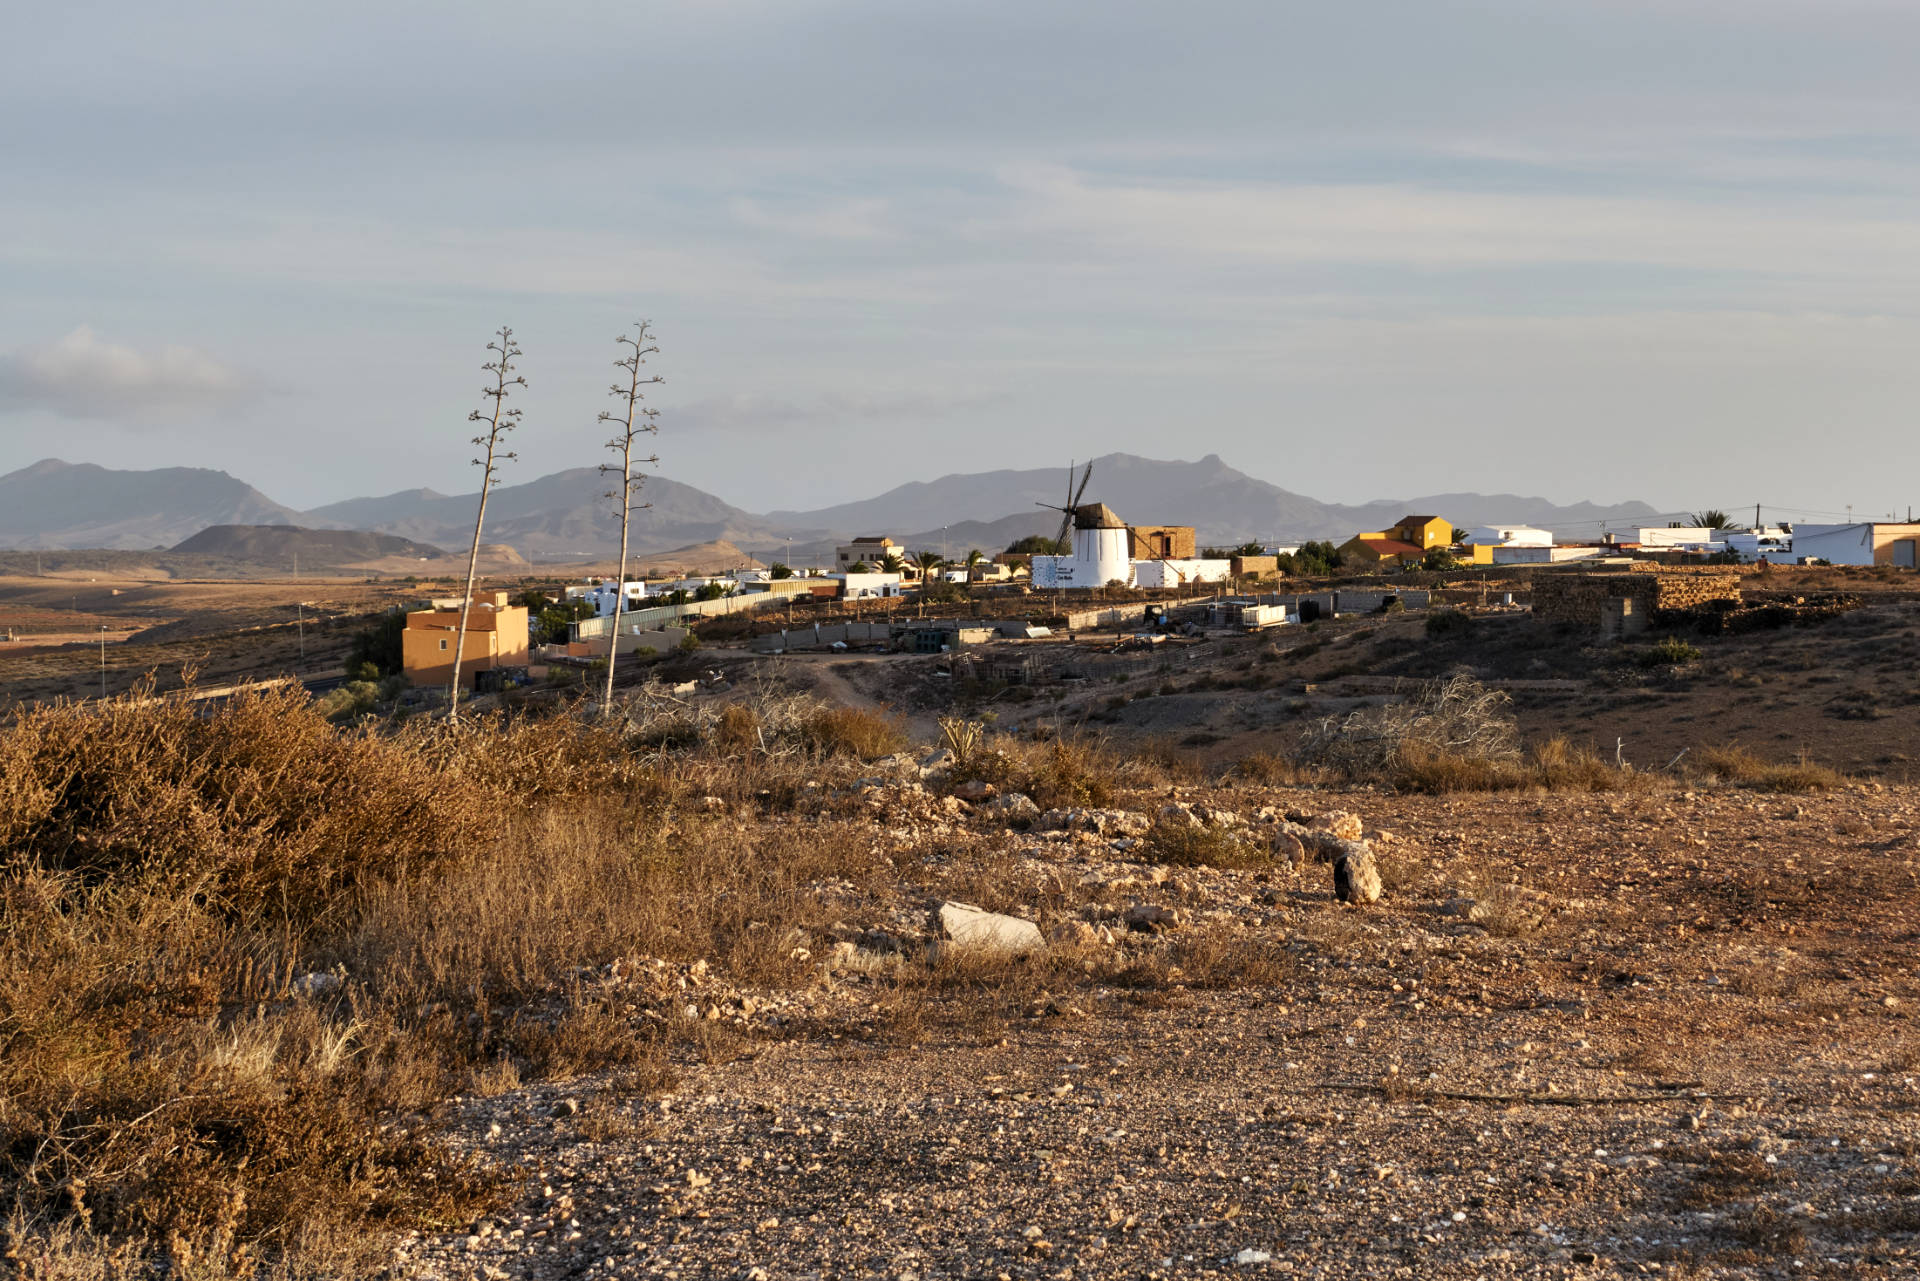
(1405, 544)
(1380, 549)
(496, 637)
(1424, 532)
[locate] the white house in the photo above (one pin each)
(1775, 544)
(1863, 543)
(867, 586)
(601, 596)
(1532, 554)
(1508, 536)
(1180, 573)
(1692, 538)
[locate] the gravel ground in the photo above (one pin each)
(1582, 1036)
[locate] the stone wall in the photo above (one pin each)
(1581, 598)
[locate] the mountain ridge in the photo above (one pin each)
(564, 514)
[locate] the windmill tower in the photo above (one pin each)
(1102, 543)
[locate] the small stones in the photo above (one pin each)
(975, 789)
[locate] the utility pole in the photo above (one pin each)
(300, 615)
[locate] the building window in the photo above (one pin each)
(443, 642)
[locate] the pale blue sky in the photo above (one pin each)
(1606, 250)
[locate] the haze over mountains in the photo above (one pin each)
(565, 515)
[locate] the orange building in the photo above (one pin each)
(496, 637)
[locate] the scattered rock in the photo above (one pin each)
(1099, 822)
(1288, 849)
(1338, 823)
(1179, 814)
(1014, 807)
(1149, 918)
(962, 925)
(1355, 878)
(976, 789)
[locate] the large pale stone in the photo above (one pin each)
(1355, 878)
(964, 926)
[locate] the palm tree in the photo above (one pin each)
(928, 563)
(892, 564)
(974, 558)
(1712, 518)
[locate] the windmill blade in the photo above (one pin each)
(1066, 513)
(1084, 478)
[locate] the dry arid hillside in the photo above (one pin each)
(848, 967)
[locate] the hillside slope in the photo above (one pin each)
(59, 504)
(314, 548)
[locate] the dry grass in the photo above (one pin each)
(1189, 845)
(1553, 766)
(1056, 772)
(1743, 768)
(242, 952)
(854, 731)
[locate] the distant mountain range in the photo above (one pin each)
(564, 515)
(55, 504)
(290, 545)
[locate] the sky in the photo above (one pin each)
(1653, 249)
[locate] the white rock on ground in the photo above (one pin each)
(962, 925)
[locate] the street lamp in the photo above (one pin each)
(103, 660)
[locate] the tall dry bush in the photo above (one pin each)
(167, 872)
(1455, 717)
(263, 804)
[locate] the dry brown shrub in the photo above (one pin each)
(854, 731)
(166, 875)
(1268, 769)
(737, 730)
(1065, 772)
(1188, 845)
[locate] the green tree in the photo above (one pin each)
(712, 591)
(1040, 545)
(778, 571)
(1711, 518)
(892, 564)
(1316, 558)
(859, 567)
(380, 645)
(1441, 559)
(1249, 549)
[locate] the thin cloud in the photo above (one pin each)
(83, 376)
(748, 412)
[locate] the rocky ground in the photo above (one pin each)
(1661, 1033)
